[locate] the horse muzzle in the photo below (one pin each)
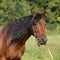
(42, 41)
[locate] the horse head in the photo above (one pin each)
(38, 27)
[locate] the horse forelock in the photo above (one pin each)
(36, 18)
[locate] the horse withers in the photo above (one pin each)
(14, 35)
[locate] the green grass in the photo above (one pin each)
(32, 52)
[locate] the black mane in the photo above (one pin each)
(19, 27)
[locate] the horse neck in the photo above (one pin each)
(25, 38)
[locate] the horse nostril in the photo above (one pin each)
(42, 39)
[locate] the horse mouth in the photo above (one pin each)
(42, 42)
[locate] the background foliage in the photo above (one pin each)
(14, 9)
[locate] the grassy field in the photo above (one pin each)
(32, 52)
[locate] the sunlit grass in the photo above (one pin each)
(32, 52)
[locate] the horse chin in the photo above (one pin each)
(42, 43)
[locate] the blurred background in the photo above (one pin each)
(14, 9)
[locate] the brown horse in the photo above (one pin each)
(14, 35)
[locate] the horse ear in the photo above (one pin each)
(33, 12)
(43, 13)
